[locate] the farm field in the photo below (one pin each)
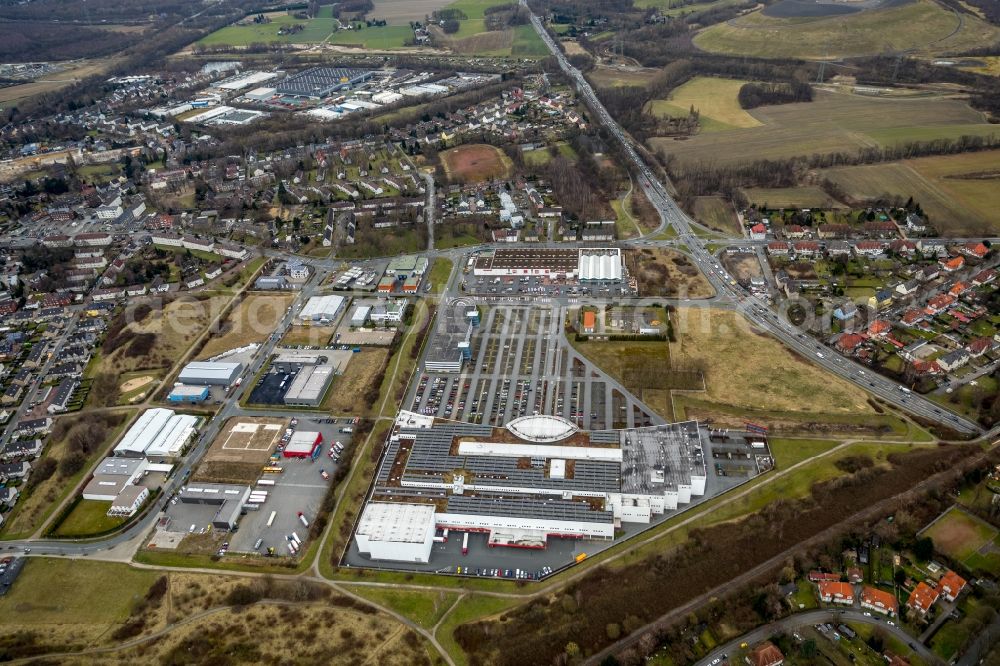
(808, 196)
(717, 213)
(967, 539)
(251, 321)
(475, 163)
(723, 346)
(56, 81)
(959, 193)
(922, 26)
(378, 37)
(715, 100)
(316, 30)
(603, 76)
(832, 122)
(401, 12)
(672, 8)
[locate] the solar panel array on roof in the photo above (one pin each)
(527, 507)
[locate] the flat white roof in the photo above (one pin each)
(302, 442)
(504, 450)
(143, 431)
(400, 523)
(319, 307)
(209, 369)
(188, 390)
(541, 428)
(172, 436)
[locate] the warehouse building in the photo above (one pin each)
(210, 373)
(396, 532)
(227, 499)
(321, 310)
(192, 394)
(309, 386)
(112, 476)
(303, 444)
(587, 264)
(158, 433)
(543, 478)
(320, 82)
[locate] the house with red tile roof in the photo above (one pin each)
(795, 231)
(939, 303)
(765, 654)
(817, 576)
(912, 316)
(975, 250)
(806, 247)
(959, 288)
(950, 585)
(777, 247)
(922, 598)
(878, 600)
(984, 277)
(758, 232)
(835, 592)
(879, 328)
(980, 346)
(848, 342)
(952, 264)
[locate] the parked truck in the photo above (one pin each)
(465, 544)
(303, 520)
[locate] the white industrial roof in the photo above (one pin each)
(208, 370)
(319, 307)
(310, 383)
(392, 522)
(172, 436)
(604, 265)
(505, 450)
(188, 390)
(541, 428)
(302, 442)
(141, 434)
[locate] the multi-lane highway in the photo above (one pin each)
(753, 308)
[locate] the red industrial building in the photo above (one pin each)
(303, 445)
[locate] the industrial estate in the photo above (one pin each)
(460, 333)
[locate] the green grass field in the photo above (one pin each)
(832, 122)
(967, 539)
(715, 100)
(53, 592)
(317, 30)
(88, 517)
(424, 608)
(439, 273)
(717, 213)
(808, 196)
(923, 26)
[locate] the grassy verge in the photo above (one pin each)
(439, 274)
(88, 517)
(423, 607)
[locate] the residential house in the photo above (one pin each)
(847, 311)
(881, 299)
(953, 360)
(952, 264)
(758, 232)
(16, 470)
(974, 250)
(869, 248)
(848, 342)
(950, 585)
(980, 346)
(806, 248)
(835, 592)
(777, 248)
(765, 654)
(879, 601)
(922, 598)
(879, 328)
(984, 277)
(907, 288)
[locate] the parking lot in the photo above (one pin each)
(541, 287)
(271, 387)
(521, 366)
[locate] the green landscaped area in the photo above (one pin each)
(472, 38)
(807, 196)
(923, 27)
(439, 274)
(423, 607)
(88, 517)
(718, 214)
(714, 99)
(102, 593)
(967, 539)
